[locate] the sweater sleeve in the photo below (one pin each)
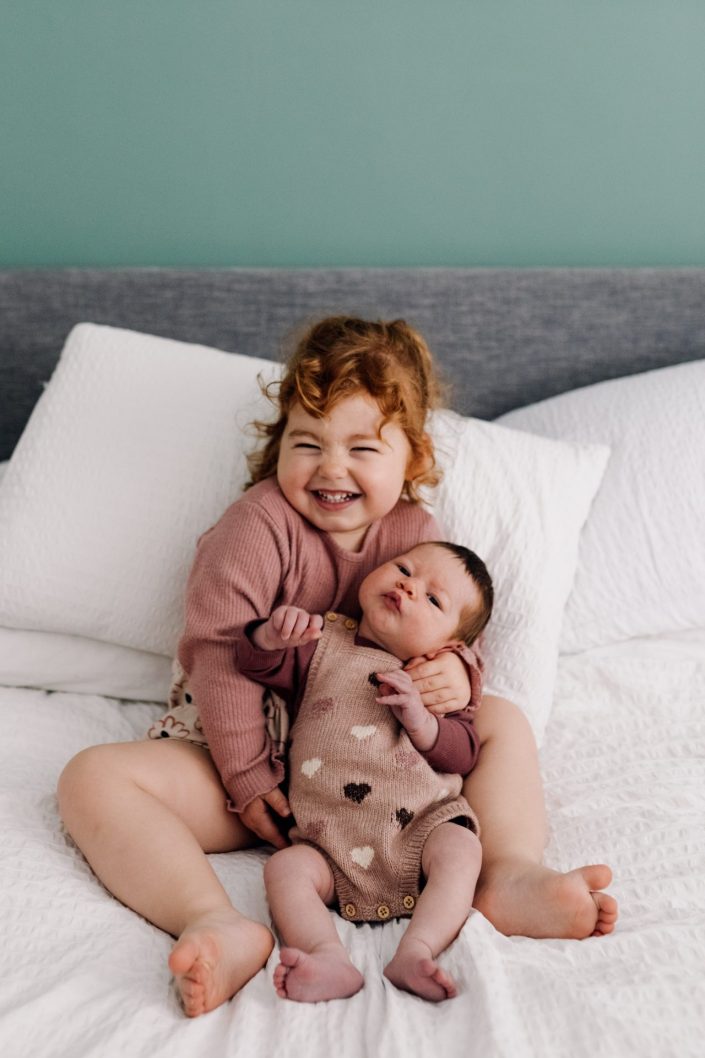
(457, 747)
(236, 577)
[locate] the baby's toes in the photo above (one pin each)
(280, 975)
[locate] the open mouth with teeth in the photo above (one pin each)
(334, 500)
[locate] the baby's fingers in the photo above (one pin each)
(313, 629)
(292, 619)
(397, 678)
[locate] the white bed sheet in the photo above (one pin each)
(624, 766)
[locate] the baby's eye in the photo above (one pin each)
(364, 448)
(433, 601)
(304, 444)
(403, 570)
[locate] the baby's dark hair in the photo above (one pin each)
(473, 620)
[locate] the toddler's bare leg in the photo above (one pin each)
(144, 814)
(515, 891)
(451, 863)
(314, 964)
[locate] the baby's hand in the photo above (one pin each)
(288, 627)
(399, 693)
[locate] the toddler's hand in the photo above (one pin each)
(399, 693)
(288, 627)
(257, 817)
(442, 681)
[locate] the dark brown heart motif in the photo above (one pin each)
(404, 817)
(356, 792)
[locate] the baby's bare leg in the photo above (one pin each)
(144, 814)
(451, 863)
(314, 964)
(515, 891)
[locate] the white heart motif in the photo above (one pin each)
(363, 732)
(310, 767)
(363, 857)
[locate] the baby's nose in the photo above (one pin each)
(408, 585)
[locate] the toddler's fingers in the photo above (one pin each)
(413, 663)
(276, 800)
(436, 682)
(423, 669)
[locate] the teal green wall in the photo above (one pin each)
(372, 132)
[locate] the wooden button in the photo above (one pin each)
(382, 911)
(350, 623)
(408, 902)
(350, 910)
(331, 617)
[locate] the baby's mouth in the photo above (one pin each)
(393, 600)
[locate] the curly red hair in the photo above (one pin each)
(341, 356)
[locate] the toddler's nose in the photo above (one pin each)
(331, 467)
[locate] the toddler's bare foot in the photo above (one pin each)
(215, 956)
(309, 977)
(414, 969)
(530, 900)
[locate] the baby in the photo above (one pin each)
(375, 778)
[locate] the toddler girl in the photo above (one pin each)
(334, 494)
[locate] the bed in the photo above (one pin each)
(578, 403)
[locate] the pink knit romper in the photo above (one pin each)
(359, 790)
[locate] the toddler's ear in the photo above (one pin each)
(421, 461)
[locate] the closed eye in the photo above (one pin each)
(304, 444)
(403, 570)
(434, 601)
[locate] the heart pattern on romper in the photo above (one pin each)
(404, 758)
(404, 817)
(313, 831)
(310, 767)
(357, 791)
(363, 857)
(363, 732)
(321, 706)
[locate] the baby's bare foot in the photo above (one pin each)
(309, 977)
(530, 900)
(414, 969)
(215, 956)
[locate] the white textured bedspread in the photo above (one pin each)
(624, 764)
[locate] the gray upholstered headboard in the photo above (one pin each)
(504, 337)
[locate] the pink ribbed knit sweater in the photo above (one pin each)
(260, 555)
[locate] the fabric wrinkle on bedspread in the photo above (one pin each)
(625, 784)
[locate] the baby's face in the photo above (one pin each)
(413, 604)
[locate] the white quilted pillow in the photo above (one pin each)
(520, 502)
(641, 568)
(134, 449)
